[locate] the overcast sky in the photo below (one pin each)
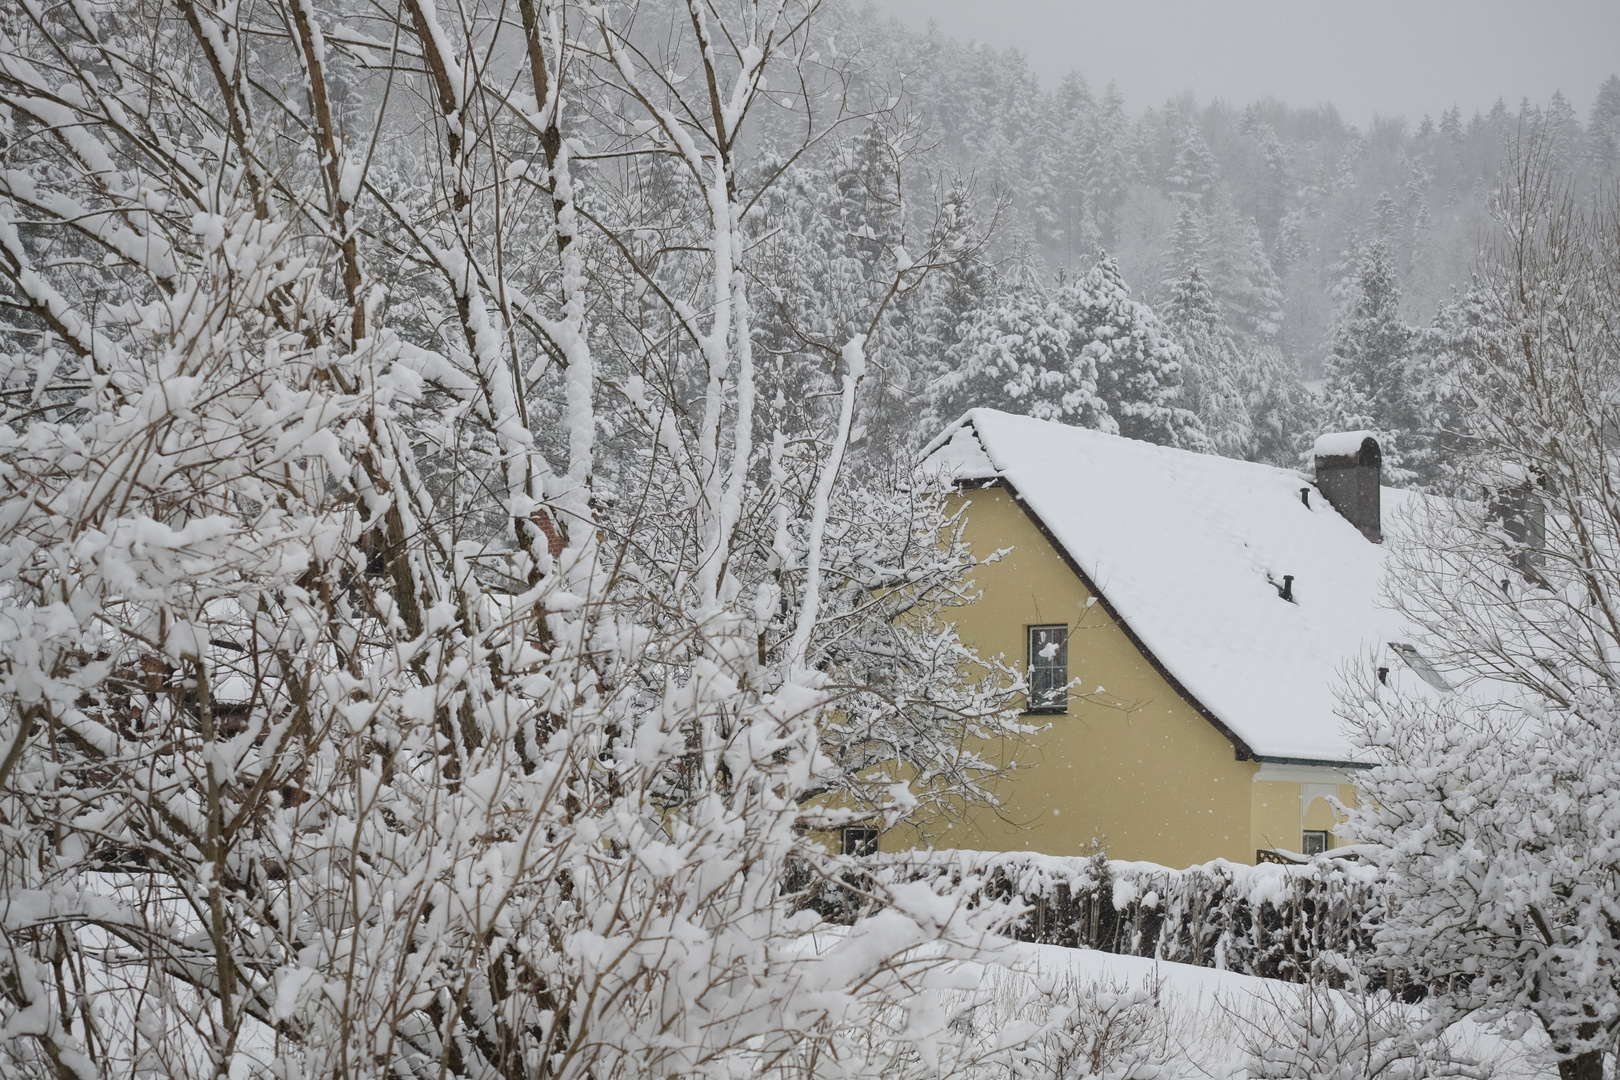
(1401, 57)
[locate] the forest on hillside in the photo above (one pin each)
(1252, 231)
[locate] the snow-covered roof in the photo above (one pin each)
(1190, 552)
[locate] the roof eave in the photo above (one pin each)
(1268, 759)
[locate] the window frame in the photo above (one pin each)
(1306, 834)
(1054, 707)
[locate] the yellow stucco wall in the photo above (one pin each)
(1274, 815)
(1131, 768)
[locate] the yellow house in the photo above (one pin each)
(1183, 621)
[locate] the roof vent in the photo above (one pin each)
(1348, 466)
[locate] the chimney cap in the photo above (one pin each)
(1347, 448)
(1501, 475)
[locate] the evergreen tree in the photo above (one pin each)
(1421, 255)
(1451, 125)
(946, 305)
(1194, 172)
(867, 198)
(1499, 120)
(1345, 272)
(1603, 128)
(1275, 182)
(1369, 372)
(1355, 150)
(829, 231)
(1108, 172)
(1263, 318)
(1044, 188)
(1241, 276)
(1283, 413)
(1186, 248)
(1211, 367)
(1292, 247)
(1563, 129)
(1078, 149)
(955, 292)
(1138, 363)
(1024, 353)
(1449, 354)
(1386, 221)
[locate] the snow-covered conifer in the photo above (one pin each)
(1024, 353)
(946, 303)
(1138, 363)
(1194, 172)
(1603, 125)
(1185, 247)
(1261, 316)
(1109, 171)
(1241, 275)
(1437, 449)
(1369, 378)
(1451, 124)
(1211, 365)
(1283, 412)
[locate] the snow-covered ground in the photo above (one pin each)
(1151, 1020)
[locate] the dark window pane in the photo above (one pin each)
(1048, 667)
(1316, 842)
(859, 840)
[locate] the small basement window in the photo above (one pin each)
(1049, 668)
(1313, 842)
(1420, 664)
(858, 840)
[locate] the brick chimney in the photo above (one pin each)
(1348, 469)
(1514, 501)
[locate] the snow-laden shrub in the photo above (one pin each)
(1313, 1032)
(1078, 1024)
(1106, 1028)
(423, 623)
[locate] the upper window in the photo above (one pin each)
(1048, 668)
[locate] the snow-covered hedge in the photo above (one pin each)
(1275, 921)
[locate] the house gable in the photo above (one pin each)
(1132, 766)
(1240, 748)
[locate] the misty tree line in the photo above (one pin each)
(1273, 247)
